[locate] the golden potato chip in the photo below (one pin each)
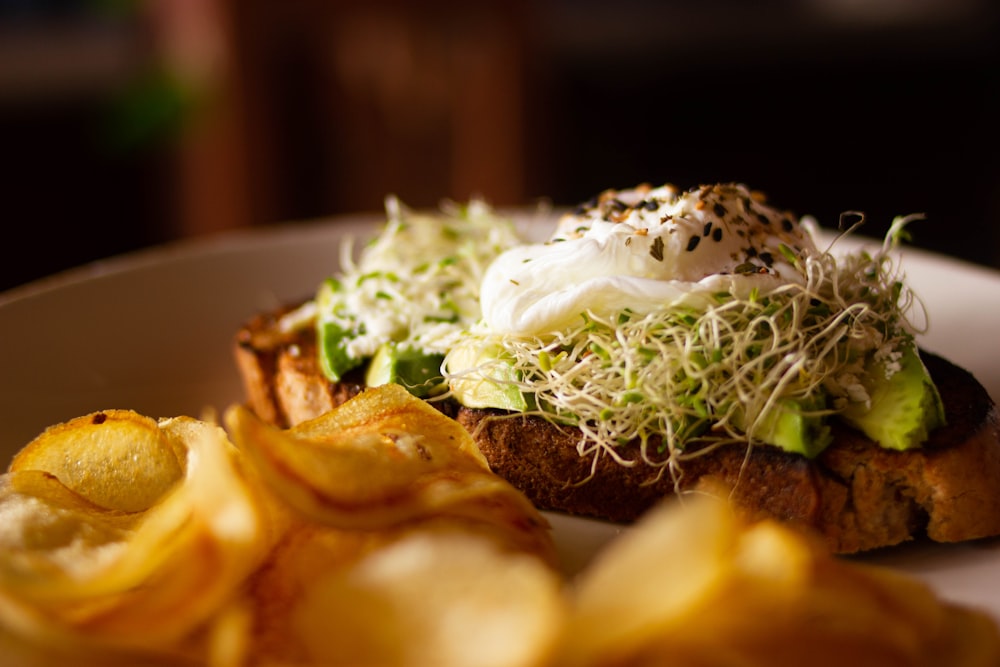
(366, 452)
(385, 458)
(73, 568)
(445, 599)
(647, 581)
(394, 412)
(306, 553)
(397, 520)
(117, 459)
(47, 530)
(691, 585)
(425, 594)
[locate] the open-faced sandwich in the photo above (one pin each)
(659, 342)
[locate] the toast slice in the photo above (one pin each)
(856, 495)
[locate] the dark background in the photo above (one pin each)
(126, 124)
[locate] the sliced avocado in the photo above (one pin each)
(333, 357)
(905, 405)
(796, 426)
(414, 369)
(475, 391)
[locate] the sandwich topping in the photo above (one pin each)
(645, 248)
(681, 320)
(675, 320)
(409, 294)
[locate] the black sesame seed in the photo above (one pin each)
(708, 229)
(657, 250)
(786, 224)
(693, 242)
(751, 251)
(717, 234)
(767, 258)
(719, 210)
(764, 220)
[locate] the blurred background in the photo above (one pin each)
(130, 123)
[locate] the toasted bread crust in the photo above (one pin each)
(856, 495)
(281, 374)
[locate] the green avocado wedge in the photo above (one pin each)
(496, 388)
(796, 426)
(904, 405)
(417, 371)
(334, 359)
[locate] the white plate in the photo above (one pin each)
(152, 331)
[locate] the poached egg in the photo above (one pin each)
(642, 249)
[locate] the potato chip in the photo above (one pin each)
(78, 566)
(47, 530)
(446, 599)
(117, 459)
(425, 594)
(692, 585)
(385, 458)
(393, 411)
(407, 549)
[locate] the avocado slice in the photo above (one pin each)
(797, 426)
(333, 357)
(499, 390)
(905, 405)
(417, 371)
